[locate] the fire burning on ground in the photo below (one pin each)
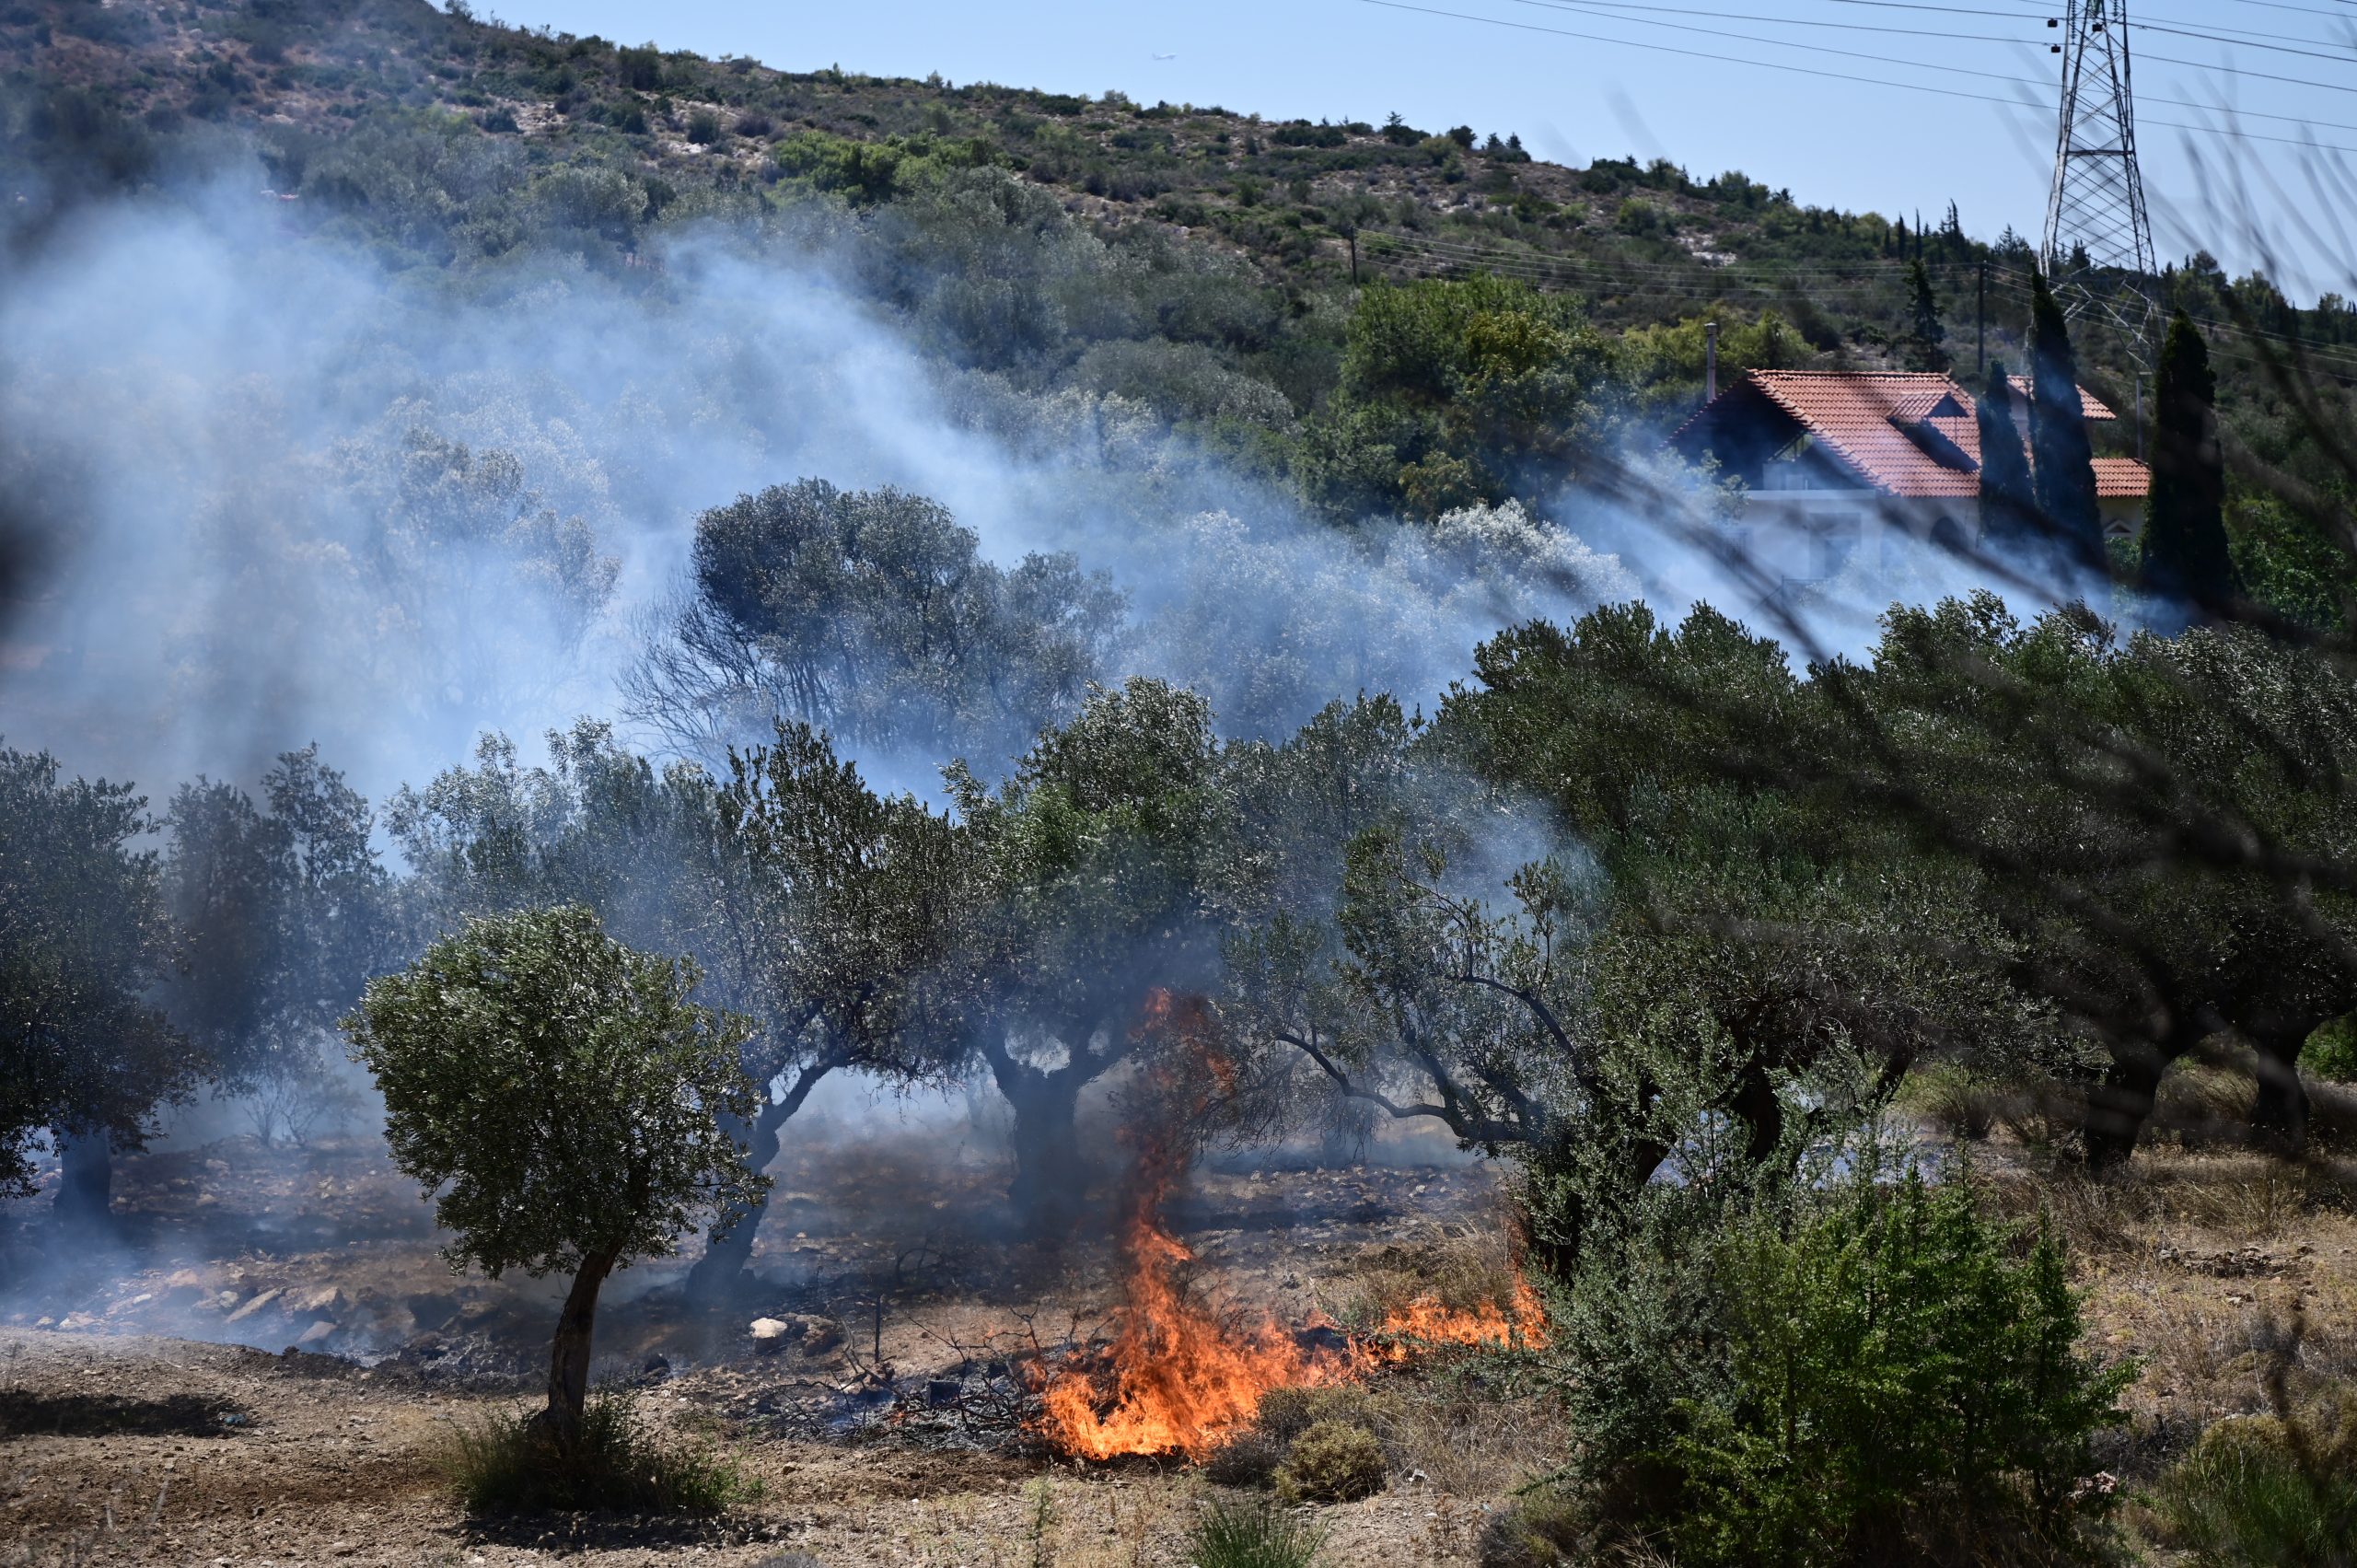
(1178, 1378)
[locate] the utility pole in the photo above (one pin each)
(2098, 245)
(1710, 363)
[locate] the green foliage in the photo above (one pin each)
(2260, 1490)
(84, 941)
(1663, 363)
(2186, 557)
(2285, 558)
(1926, 344)
(282, 916)
(2331, 1052)
(557, 1091)
(1454, 392)
(2008, 498)
(1333, 1461)
(2062, 460)
(1548, 1529)
(1878, 1373)
(873, 615)
(508, 1464)
(1253, 1533)
(869, 172)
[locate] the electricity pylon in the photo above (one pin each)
(2098, 251)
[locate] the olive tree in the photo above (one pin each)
(1085, 877)
(84, 943)
(873, 616)
(561, 1096)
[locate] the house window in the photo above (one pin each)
(1832, 540)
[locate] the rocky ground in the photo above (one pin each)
(266, 1361)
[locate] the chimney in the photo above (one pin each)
(1710, 362)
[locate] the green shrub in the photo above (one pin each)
(704, 128)
(1331, 1462)
(1286, 1413)
(2331, 1052)
(1869, 1371)
(1543, 1531)
(509, 1466)
(1952, 1099)
(2261, 1491)
(1253, 1533)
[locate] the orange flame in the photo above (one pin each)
(1426, 1322)
(1180, 1380)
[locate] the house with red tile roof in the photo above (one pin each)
(1837, 462)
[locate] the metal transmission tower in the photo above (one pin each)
(2098, 251)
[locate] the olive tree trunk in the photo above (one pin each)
(2279, 1113)
(1051, 1178)
(569, 1353)
(85, 1176)
(730, 1246)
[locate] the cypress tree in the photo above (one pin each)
(2184, 554)
(2063, 461)
(1931, 333)
(2008, 505)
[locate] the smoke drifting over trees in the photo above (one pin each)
(969, 639)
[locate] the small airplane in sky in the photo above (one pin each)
(1166, 57)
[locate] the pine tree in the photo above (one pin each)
(2061, 460)
(2008, 506)
(1931, 333)
(2184, 554)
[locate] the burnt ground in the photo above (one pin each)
(890, 1429)
(264, 1363)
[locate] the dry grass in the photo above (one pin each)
(2195, 1262)
(1463, 1274)
(1474, 1443)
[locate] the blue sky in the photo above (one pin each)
(1861, 143)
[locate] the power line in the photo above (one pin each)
(1852, 77)
(1590, 8)
(2228, 35)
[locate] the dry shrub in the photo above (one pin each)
(2237, 1198)
(1464, 1274)
(2332, 1114)
(2259, 1490)
(1253, 1534)
(1474, 1440)
(1286, 1413)
(1331, 1462)
(2204, 1105)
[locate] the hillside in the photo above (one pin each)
(1231, 245)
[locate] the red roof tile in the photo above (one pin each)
(1893, 428)
(1859, 417)
(2121, 478)
(2090, 406)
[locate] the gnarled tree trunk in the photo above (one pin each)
(1051, 1178)
(729, 1249)
(2279, 1113)
(2119, 1107)
(569, 1353)
(85, 1176)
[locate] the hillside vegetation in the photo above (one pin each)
(1197, 259)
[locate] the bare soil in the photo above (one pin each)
(266, 1361)
(155, 1408)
